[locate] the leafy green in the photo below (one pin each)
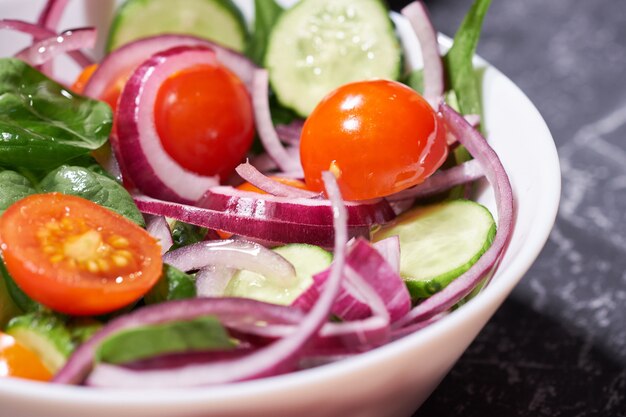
(8, 307)
(184, 234)
(415, 80)
(204, 333)
(42, 124)
(458, 60)
(93, 186)
(266, 13)
(13, 187)
(174, 284)
(81, 329)
(19, 297)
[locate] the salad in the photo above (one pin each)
(213, 202)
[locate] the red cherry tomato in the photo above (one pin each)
(75, 256)
(378, 137)
(204, 119)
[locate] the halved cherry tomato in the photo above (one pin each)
(112, 93)
(378, 137)
(75, 256)
(204, 119)
(17, 361)
(83, 78)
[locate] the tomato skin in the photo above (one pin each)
(66, 253)
(379, 137)
(205, 120)
(19, 362)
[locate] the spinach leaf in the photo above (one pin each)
(93, 186)
(204, 333)
(184, 234)
(415, 80)
(458, 60)
(42, 124)
(266, 13)
(174, 284)
(13, 187)
(19, 297)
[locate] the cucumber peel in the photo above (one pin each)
(439, 243)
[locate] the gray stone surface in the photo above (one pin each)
(557, 347)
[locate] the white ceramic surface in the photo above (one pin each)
(391, 381)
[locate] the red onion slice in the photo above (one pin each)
(157, 226)
(119, 64)
(276, 358)
(256, 178)
(294, 210)
(212, 280)
(149, 166)
(235, 254)
(232, 312)
(417, 14)
(45, 50)
(264, 228)
(290, 134)
(499, 180)
(441, 181)
(50, 16)
(264, 125)
(389, 249)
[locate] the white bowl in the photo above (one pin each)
(390, 381)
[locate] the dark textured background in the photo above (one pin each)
(557, 347)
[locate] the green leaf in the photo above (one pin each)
(460, 70)
(415, 80)
(204, 333)
(93, 186)
(266, 13)
(184, 234)
(13, 187)
(174, 284)
(19, 297)
(43, 124)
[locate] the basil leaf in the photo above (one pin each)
(13, 187)
(42, 124)
(93, 186)
(460, 69)
(204, 333)
(266, 13)
(174, 284)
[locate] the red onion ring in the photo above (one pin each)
(268, 229)
(294, 210)
(290, 134)
(264, 125)
(417, 14)
(211, 281)
(50, 16)
(45, 50)
(276, 358)
(235, 254)
(150, 168)
(389, 249)
(159, 229)
(499, 180)
(270, 186)
(442, 181)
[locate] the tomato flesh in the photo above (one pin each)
(204, 119)
(75, 256)
(19, 362)
(378, 137)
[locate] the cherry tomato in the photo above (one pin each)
(83, 78)
(246, 186)
(110, 96)
(378, 137)
(17, 361)
(75, 256)
(204, 119)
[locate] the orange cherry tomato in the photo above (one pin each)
(75, 256)
(83, 78)
(378, 137)
(17, 361)
(204, 119)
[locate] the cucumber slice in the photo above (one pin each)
(308, 260)
(319, 45)
(218, 20)
(440, 242)
(44, 334)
